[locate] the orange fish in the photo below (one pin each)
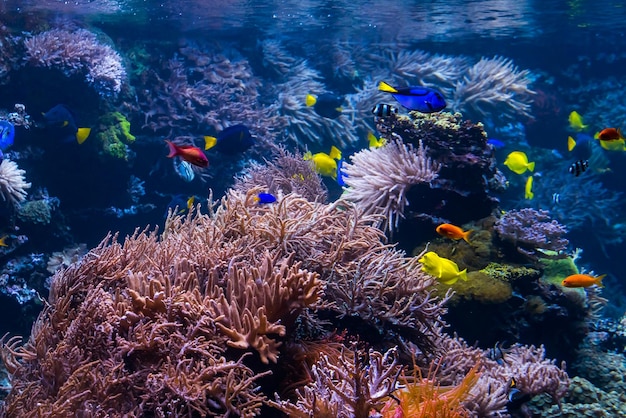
(610, 134)
(453, 232)
(189, 153)
(3, 241)
(582, 280)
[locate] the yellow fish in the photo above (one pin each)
(576, 121)
(375, 142)
(517, 161)
(325, 164)
(528, 190)
(447, 271)
(3, 241)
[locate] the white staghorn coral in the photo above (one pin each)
(13, 185)
(378, 179)
(492, 87)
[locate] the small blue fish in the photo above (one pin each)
(422, 99)
(264, 198)
(7, 134)
(232, 140)
(184, 169)
(496, 143)
(340, 174)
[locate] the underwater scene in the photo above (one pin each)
(233, 208)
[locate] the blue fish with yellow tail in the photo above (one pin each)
(422, 99)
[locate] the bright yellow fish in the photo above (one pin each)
(517, 161)
(576, 121)
(447, 271)
(375, 142)
(325, 164)
(528, 190)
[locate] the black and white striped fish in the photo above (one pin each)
(383, 110)
(579, 167)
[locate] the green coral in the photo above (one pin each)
(556, 269)
(510, 272)
(482, 287)
(35, 212)
(114, 135)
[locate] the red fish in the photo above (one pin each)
(610, 134)
(453, 232)
(582, 280)
(189, 153)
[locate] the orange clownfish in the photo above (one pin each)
(453, 232)
(189, 153)
(610, 134)
(582, 280)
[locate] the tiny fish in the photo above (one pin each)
(264, 198)
(375, 142)
(556, 198)
(327, 105)
(517, 161)
(383, 110)
(576, 121)
(496, 143)
(528, 189)
(579, 167)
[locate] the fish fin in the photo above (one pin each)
(599, 280)
(339, 109)
(570, 143)
(209, 142)
(382, 86)
(310, 100)
(619, 133)
(65, 123)
(466, 235)
(3, 241)
(335, 154)
(463, 275)
(173, 151)
(82, 134)
(531, 166)
(307, 156)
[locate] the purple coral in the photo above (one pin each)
(78, 53)
(529, 229)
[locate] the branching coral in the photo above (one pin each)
(13, 185)
(378, 179)
(494, 88)
(529, 230)
(78, 53)
(350, 388)
(165, 322)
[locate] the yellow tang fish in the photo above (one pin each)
(576, 121)
(528, 190)
(517, 161)
(325, 164)
(447, 271)
(375, 142)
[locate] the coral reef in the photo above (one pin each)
(13, 185)
(529, 231)
(77, 52)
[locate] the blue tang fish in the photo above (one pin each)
(422, 99)
(7, 134)
(232, 140)
(265, 198)
(496, 143)
(327, 105)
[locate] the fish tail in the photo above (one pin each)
(382, 86)
(463, 275)
(335, 154)
(82, 134)
(307, 156)
(173, 152)
(466, 235)
(598, 280)
(209, 142)
(531, 166)
(310, 100)
(570, 143)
